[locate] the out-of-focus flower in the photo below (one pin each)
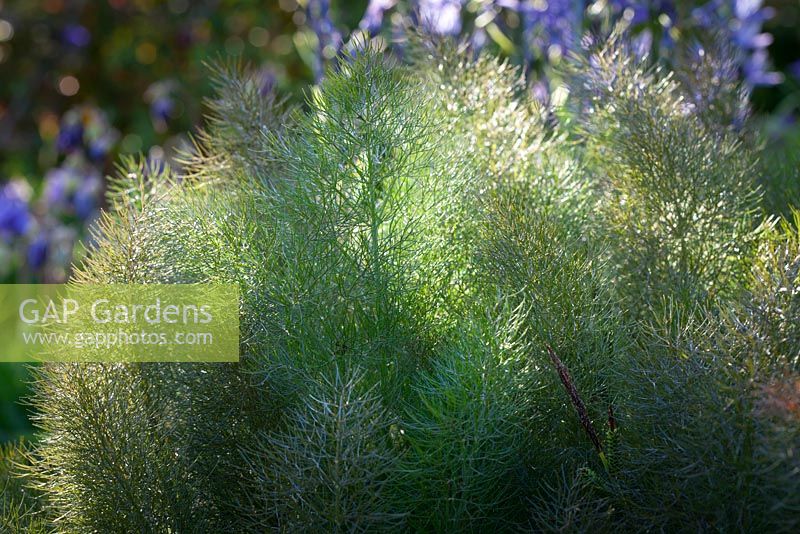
(749, 17)
(161, 108)
(635, 11)
(372, 20)
(87, 196)
(74, 188)
(743, 21)
(37, 252)
(440, 17)
(707, 15)
(329, 38)
(86, 127)
(642, 43)
(70, 133)
(540, 91)
(14, 215)
(99, 136)
(76, 35)
(99, 147)
(60, 184)
(160, 95)
(755, 69)
(550, 27)
(794, 69)
(266, 81)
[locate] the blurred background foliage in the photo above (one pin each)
(83, 82)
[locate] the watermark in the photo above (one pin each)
(119, 323)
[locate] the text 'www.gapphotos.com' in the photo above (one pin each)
(98, 340)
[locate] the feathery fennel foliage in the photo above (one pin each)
(20, 509)
(681, 195)
(461, 311)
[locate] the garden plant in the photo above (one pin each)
(463, 310)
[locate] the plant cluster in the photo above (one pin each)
(462, 310)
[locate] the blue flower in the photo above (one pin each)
(73, 188)
(707, 16)
(76, 35)
(372, 20)
(37, 252)
(440, 17)
(87, 197)
(98, 148)
(550, 26)
(639, 10)
(330, 39)
(162, 103)
(755, 69)
(794, 69)
(161, 108)
(99, 137)
(70, 135)
(60, 184)
(14, 215)
(266, 79)
(749, 17)
(742, 20)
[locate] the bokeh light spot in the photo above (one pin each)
(146, 53)
(6, 30)
(258, 36)
(288, 5)
(68, 85)
(282, 45)
(329, 51)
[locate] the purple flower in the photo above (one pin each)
(794, 69)
(330, 39)
(440, 17)
(14, 215)
(642, 43)
(707, 16)
(550, 26)
(540, 91)
(70, 135)
(98, 148)
(745, 9)
(640, 10)
(60, 184)
(749, 17)
(742, 20)
(266, 79)
(372, 20)
(162, 103)
(755, 69)
(161, 108)
(87, 196)
(37, 252)
(73, 188)
(76, 35)
(99, 136)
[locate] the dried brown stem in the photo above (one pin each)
(577, 402)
